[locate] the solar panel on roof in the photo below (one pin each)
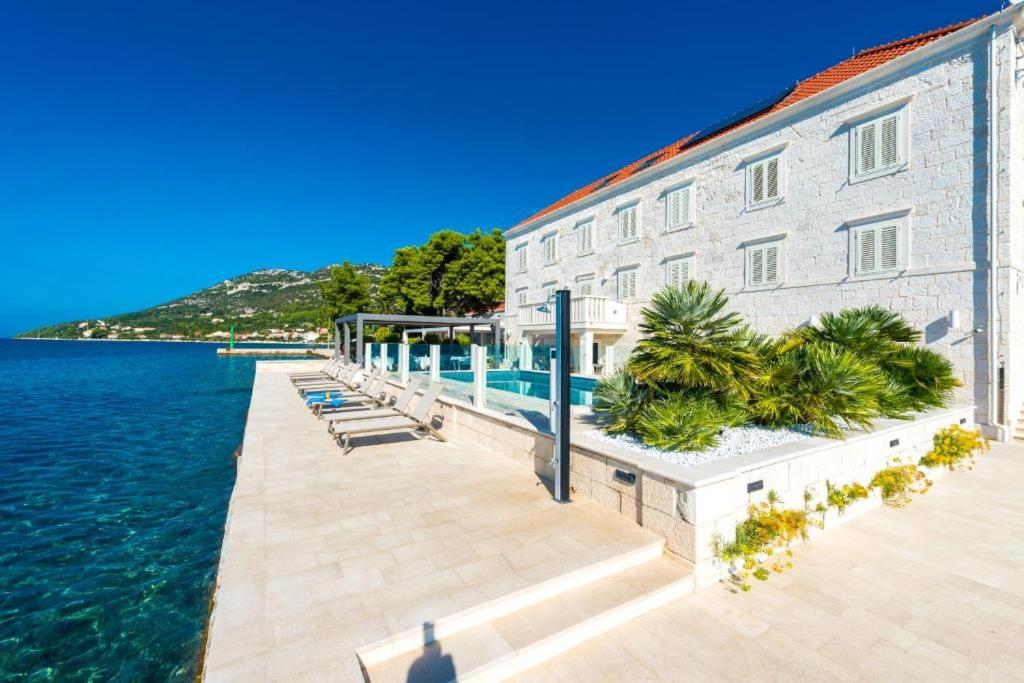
(741, 115)
(605, 182)
(647, 164)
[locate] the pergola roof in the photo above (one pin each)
(419, 320)
(341, 325)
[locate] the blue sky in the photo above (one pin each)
(150, 149)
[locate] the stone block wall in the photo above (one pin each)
(690, 507)
(944, 186)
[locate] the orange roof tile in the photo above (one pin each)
(863, 61)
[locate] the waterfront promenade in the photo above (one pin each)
(326, 556)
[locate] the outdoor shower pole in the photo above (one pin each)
(563, 356)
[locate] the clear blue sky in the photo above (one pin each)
(153, 148)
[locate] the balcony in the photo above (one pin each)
(587, 313)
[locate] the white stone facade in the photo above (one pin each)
(940, 196)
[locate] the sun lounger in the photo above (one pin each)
(415, 420)
(363, 411)
(344, 381)
(337, 363)
(332, 375)
(371, 392)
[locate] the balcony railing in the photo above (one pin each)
(593, 312)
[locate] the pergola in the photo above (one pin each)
(342, 327)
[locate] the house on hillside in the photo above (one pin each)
(870, 182)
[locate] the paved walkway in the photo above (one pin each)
(934, 591)
(325, 553)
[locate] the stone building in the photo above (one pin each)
(882, 179)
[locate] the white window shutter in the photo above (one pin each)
(772, 179)
(771, 264)
(757, 182)
(757, 267)
(890, 248)
(684, 205)
(586, 238)
(684, 272)
(866, 148)
(867, 250)
(889, 149)
(673, 208)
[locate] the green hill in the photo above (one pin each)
(270, 304)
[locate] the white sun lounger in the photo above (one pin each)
(373, 391)
(415, 420)
(344, 381)
(337, 363)
(362, 411)
(332, 375)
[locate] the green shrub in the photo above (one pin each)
(955, 447)
(925, 377)
(385, 335)
(691, 343)
(683, 422)
(898, 482)
(618, 402)
(820, 385)
(916, 378)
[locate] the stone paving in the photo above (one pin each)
(933, 591)
(325, 553)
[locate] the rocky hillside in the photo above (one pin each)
(270, 304)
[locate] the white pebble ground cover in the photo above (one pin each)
(733, 441)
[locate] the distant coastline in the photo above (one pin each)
(306, 345)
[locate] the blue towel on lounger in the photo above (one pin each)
(322, 399)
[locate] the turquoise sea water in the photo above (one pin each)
(116, 464)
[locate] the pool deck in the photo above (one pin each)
(325, 555)
(331, 563)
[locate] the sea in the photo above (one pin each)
(116, 465)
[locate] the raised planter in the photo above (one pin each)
(690, 506)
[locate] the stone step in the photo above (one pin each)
(513, 642)
(412, 640)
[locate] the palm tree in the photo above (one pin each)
(693, 343)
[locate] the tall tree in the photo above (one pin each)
(444, 248)
(475, 282)
(346, 291)
(405, 288)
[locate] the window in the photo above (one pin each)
(549, 245)
(877, 248)
(679, 207)
(521, 296)
(628, 223)
(879, 146)
(764, 264)
(627, 285)
(521, 258)
(678, 271)
(764, 180)
(549, 291)
(585, 237)
(585, 285)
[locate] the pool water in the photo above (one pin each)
(530, 383)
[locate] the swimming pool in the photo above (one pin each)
(530, 383)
